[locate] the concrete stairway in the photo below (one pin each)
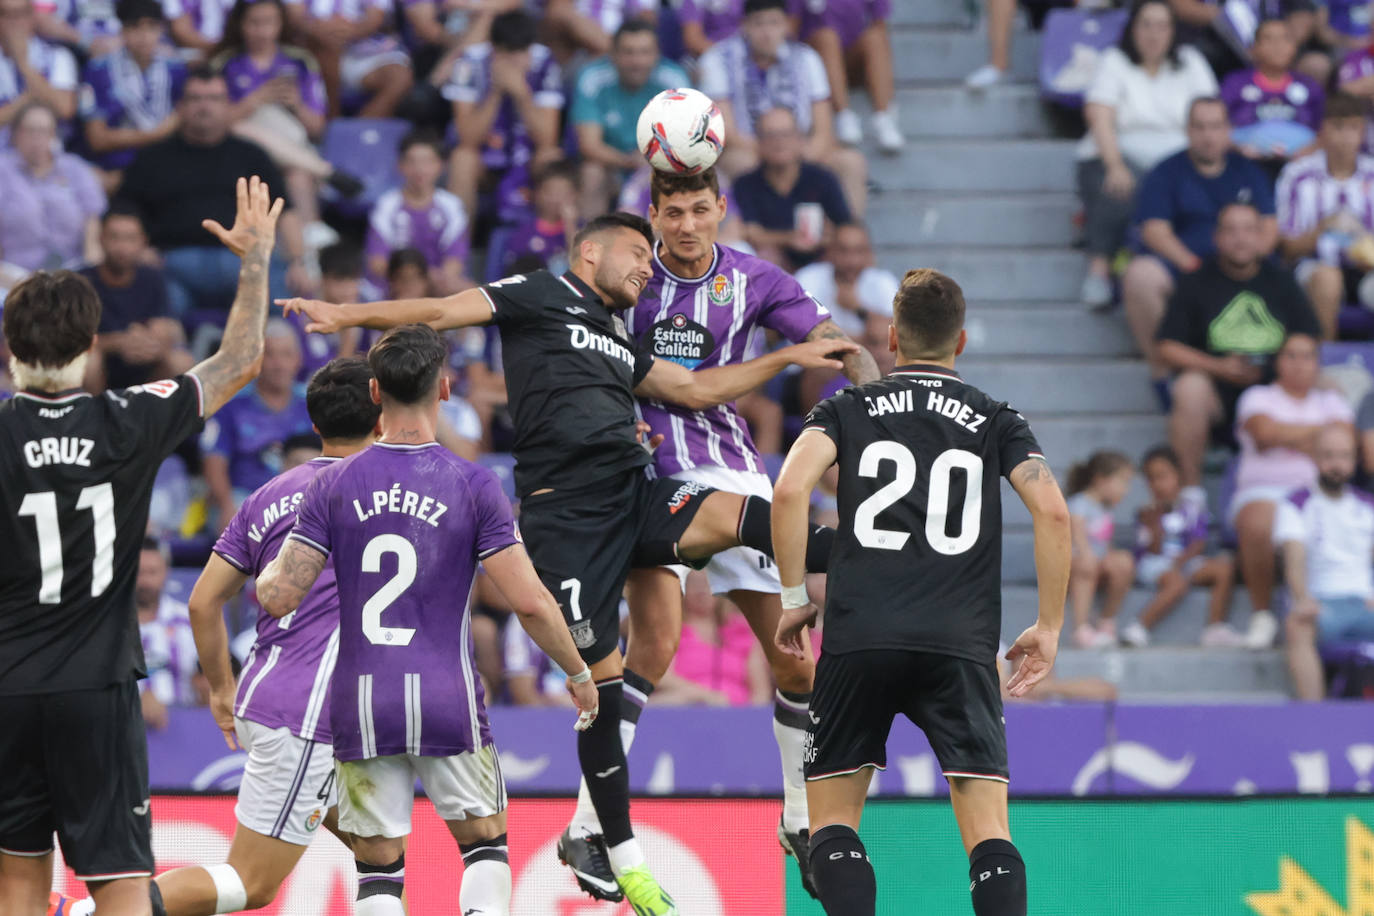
(985, 192)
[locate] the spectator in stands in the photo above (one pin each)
(197, 25)
(31, 69)
(359, 56)
(299, 449)
(587, 25)
(1326, 206)
(1180, 201)
(507, 97)
(430, 28)
(705, 22)
(857, 292)
(1171, 556)
(545, 233)
(1225, 34)
(1223, 323)
(1325, 532)
(169, 649)
(189, 177)
(759, 70)
(90, 26)
(1277, 426)
(790, 207)
(1342, 27)
(1356, 73)
(610, 94)
(278, 102)
(53, 200)
(423, 216)
(718, 661)
(139, 339)
(341, 280)
(129, 97)
(851, 37)
(243, 442)
(1274, 112)
(1137, 109)
(1096, 487)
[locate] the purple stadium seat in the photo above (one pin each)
(365, 147)
(1356, 323)
(502, 464)
(1069, 49)
(1350, 666)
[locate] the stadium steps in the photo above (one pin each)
(1029, 220)
(936, 54)
(942, 156)
(938, 13)
(1210, 675)
(933, 111)
(990, 274)
(1052, 340)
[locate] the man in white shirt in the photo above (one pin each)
(857, 292)
(1326, 535)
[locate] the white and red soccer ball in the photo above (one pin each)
(681, 132)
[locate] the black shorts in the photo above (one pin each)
(77, 763)
(956, 702)
(585, 542)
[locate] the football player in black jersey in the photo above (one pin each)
(588, 511)
(914, 597)
(76, 475)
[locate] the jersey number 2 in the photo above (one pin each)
(937, 505)
(394, 588)
(42, 507)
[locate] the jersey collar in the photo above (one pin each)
(573, 282)
(60, 397)
(927, 370)
(710, 271)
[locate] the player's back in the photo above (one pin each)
(406, 526)
(917, 560)
(286, 679)
(76, 475)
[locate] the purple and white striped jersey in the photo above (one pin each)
(1307, 194)
(439, 231)
(707, 322)
(795, 81)
(207, 16)
(406, 526)
(285, 681)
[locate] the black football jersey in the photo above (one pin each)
(917, 562)
(76, 475)
(571, 371)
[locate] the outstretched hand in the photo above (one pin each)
(1036, 648)
(822, 353)
(255, 219)
(324, 317)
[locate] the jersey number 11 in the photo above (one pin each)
(42, 508)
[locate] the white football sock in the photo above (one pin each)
(379, 905)
(791, 740)
(625, 856)
(486, 889)
(584, 819)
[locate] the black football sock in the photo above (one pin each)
(155, 899)
(843, 875)
(756, 531)
(602, 756)
(997, 879)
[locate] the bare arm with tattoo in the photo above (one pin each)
(1034, 482)
(252, 238)
(859, 365)
(286, 581)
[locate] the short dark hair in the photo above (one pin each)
(342, 260)
(338, 399)
(1100, 464)
(608, 221)
(402, 258)
(560, 168)
(132, 12)
(1341, 105)
(121, 209)
(1231, 205)
(305, 440)
(513, 31)
(633, 27)
(51, 318)
(421, 136)
(1162, 453)
(666, 184)
(1127, 42)
(204, 73)
(407, 361)
(758, 6)
(928, 312)
(1201, 100)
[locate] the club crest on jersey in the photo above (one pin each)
(681, 340)
(683, 495)
(722, 291)
(313, 821)
(582, 634)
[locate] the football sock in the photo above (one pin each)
(380, 888)
(635, 694)
(997, 879)
(756, 531)
(486, 887)
(843, 875)
(789, 729)
(602, 756)
(155, 899)
(625, 856)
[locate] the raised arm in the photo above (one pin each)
(703, 388)
(811, 455)
(218, 583)
(859, 366)
(1034, 482)
(462, 310)
(286, 581)
(240, 354)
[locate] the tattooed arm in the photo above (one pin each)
(240, 354)
(859, 366)
(286, 581)
(1034, 482)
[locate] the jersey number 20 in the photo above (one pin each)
(937, 504)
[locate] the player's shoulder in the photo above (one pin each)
(151, 394)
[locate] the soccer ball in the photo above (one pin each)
(681, 131)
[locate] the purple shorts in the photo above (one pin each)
(848, 18)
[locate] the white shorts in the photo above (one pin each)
(376, 795)
(739, 567)
(1149, 568)
(1249, 495)
(363, 58)
(288, 783)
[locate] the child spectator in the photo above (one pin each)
(1274, 111)
(1171, 540)
(422, 216)
(851, 37)
(1096, 486)
(164, 628)
(544, 233)
(341, 280)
